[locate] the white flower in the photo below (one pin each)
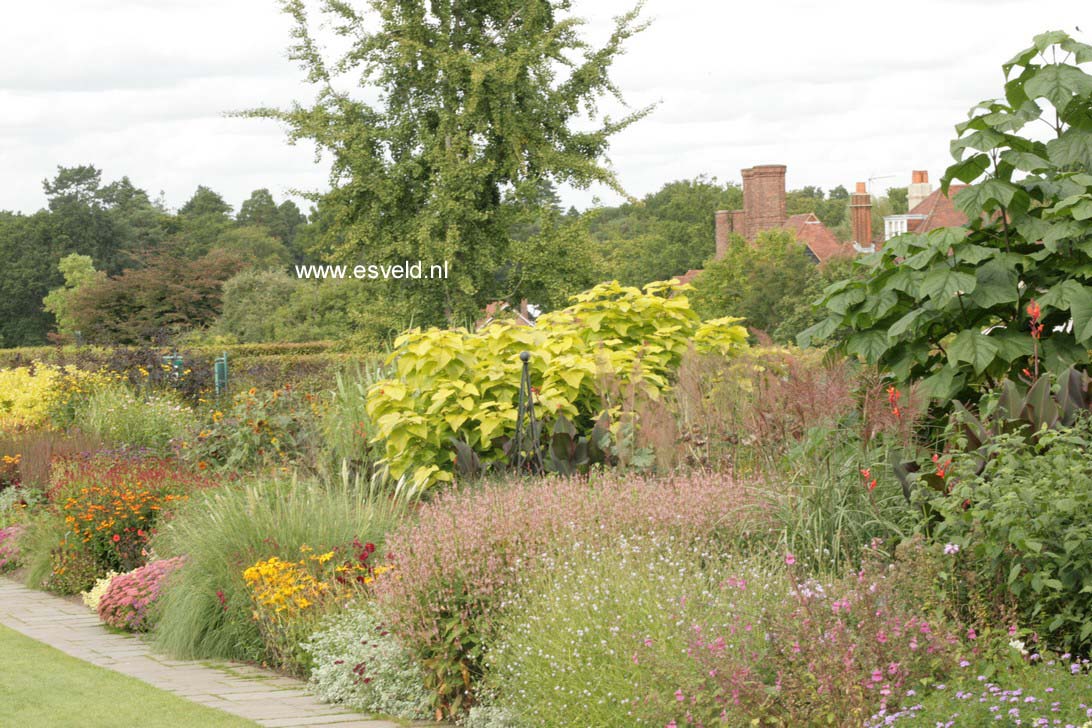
(951, 548)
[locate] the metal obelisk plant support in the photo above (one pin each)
(527, 447)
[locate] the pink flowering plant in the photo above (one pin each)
(128, 601)
(672, 633)
(9, 547)
(462, 561)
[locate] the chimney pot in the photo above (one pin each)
(919, 188)
(860, 213)
(763, 199)
(724, 226)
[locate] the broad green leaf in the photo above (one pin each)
(1043, 41)
(969, 169)
(943, 384)
(905, 280)
(817, 333)
(869, 345)
(974, 254)
(983, 140)
(997, 284)
(924, 258)
(1012, 345)
(1062, 230)
(1083, 210)
(879, 306)
(907, 322)
(1058, 84)
(1080, 306)
(1061, 350)
(1082, 52)
(841, 302)
(943, 283)
(977, 198)
(1060, 296)
(1072, 149)
(974, 348)
(1026, 161)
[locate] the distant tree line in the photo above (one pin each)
(107, 263)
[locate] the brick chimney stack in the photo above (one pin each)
(919, 188)
(860, 214)
(763, 199)
(724, 227)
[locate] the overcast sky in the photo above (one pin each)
(840, 91)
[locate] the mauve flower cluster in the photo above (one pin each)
(9, 547)
(1051, 702)
(127, 600)
(468, 550)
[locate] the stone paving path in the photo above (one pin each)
(244, 690)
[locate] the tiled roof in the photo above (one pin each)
(939, 211)
(817, 237)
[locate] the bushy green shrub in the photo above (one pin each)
(1022, 527)
(122, 417)
(356, 661)
(207, 609)
(453, 386)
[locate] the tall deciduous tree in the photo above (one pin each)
(476, 98)
(78, 271)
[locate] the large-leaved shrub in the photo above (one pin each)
(456, 386)
(951, 307)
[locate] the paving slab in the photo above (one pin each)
(245, 690)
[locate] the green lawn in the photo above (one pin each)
(42, 686)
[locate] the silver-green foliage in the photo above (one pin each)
(355, 661)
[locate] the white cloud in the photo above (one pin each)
(839, 91)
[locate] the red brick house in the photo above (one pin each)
(928, 209)
(764, 209)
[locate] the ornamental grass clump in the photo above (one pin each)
(129, 600)
(208, 611)
(467, 553)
